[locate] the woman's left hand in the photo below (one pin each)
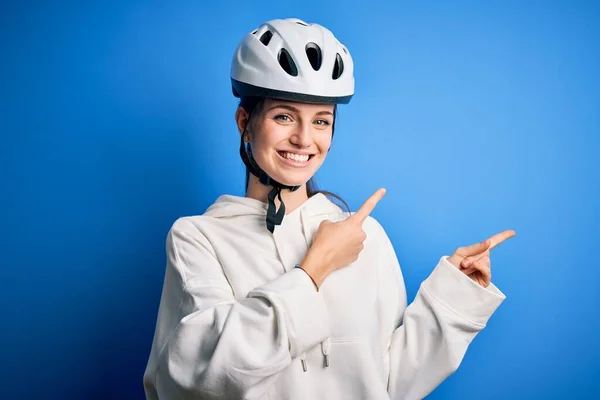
(474, 261)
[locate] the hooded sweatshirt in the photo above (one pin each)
(237, 320)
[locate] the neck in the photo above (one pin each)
(292, 200)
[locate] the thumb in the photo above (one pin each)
(474, 249)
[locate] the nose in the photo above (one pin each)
(301, 136)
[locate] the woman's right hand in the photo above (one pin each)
(338, 244)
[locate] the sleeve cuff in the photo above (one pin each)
(303, 308)
(461, 294)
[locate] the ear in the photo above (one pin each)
(241, 119)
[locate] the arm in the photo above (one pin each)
(210, 346)
(431, 336)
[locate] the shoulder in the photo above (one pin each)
(188, 225)
(377, 235)
(189, 231)
(374, 229)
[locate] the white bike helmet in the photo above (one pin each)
(289, 59)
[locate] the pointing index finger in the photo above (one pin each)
(368, 206)
(500, 237)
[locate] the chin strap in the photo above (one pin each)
(275, 218)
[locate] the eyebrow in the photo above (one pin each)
(294, 109)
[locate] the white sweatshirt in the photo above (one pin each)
(238, 321)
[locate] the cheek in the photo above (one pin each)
(268, 137)
(324, 144)
(260, 146)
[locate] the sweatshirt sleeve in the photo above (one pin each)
(209, 345)
(430, 336)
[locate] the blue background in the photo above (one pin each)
(117, 118)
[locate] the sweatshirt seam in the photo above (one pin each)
(209, 249)
(177, 257)
(176, 266)
(184, 287)
(451, 309)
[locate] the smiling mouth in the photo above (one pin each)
(298, 159)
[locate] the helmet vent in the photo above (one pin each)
(338, 67)
(266, 37)
(287, 63)
(301, 23)
(313, 52)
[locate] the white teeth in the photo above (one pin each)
(296, 157)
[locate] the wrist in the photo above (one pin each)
(313, 267)
(311, 278)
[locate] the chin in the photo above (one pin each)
(293, 182)
(291, 179)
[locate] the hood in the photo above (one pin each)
(227, 206)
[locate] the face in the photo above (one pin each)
(290, 140)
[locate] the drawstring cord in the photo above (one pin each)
(325, 347)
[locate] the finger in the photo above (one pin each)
(368, 206)
(478, 264)
(469, 270)
(486, 272)
(325, 222)
(501, 237)
(483, 280)
(466, 262)
(474, 249)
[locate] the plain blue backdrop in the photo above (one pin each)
(117, 118)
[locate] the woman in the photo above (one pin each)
(282, 295)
